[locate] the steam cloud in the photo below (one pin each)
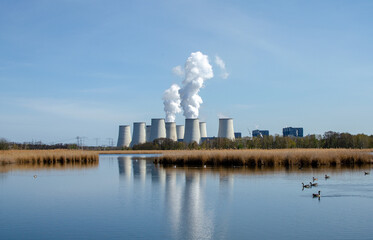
(171, 101)
(197, 71)
(221, 65)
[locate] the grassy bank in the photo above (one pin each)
(48, 157)
(278, 157)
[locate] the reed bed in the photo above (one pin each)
(269, 158)
(48, 157)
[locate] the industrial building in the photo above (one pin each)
(292, 132)
(260, 133)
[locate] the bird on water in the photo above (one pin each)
(313, 184)
(326, 176)
(314, 179)
(366, 173)
(306, 186)
(316, 195)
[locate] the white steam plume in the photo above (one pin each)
(221, 65)
(171, 101)
(197, 70)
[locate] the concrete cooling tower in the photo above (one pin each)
(226, 128)
(180, 132)
(158, 129)
(171, 131)
(148, 131)
(192, 133)
(139, 133)
(124, 137)
(202, 129)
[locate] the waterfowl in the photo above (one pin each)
(326, 176)
(306, 186)
(366, 173)
(35, 176)
(316, 195)
(314, 179)
(313, 184)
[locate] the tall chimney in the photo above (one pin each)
(171, 131)
(192, 133)
(158, 129)
(202, 129)
(180, 132)
(124, 137)
(139, 133)
(148, 131)
(226, 128)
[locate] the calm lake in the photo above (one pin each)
(127, 197)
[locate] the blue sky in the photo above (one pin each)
(81, 68)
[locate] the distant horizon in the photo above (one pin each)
(71, 69)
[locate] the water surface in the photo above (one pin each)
(127, 197)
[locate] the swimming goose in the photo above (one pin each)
(366, 173)
(316, 195)
(306, 186)
(326, 176)
(313, 184)
(314, 179)
(35, 176)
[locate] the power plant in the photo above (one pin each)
(192, 132)
(171, 131)
(180, 132)
(139, 133)
(158, 129)
(226, 128)
(124, 136)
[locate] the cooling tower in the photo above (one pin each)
(139, 133)
(171, 131)
(192, 133)
(180, 132)
(148, 131)
(124, 138)
(202, 129)
(158, 129)
(226, 128)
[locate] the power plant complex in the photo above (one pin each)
(193, 131)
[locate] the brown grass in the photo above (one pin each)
(46, 157)
(269, 158)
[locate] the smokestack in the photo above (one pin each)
(192, 133)
(139, 133)
(226, 128)
(180, 132)
(158, 129)
(171, 131)
(124, 138)
(148, 131)
(202, 129)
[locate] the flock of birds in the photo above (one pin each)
(314, 184)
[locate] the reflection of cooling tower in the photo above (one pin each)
(148, 131)
(139, 133)
(202, 129)
(158, 129)
(192, 133)
(171, 131)
(124, 138)
(226, 128)
(180, 131)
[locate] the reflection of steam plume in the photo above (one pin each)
(197, 70)
(171, 101)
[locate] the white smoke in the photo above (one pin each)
(178, 71)
(197, 71)
(171, 101)
(221, 64)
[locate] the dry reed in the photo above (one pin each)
(269, 158)
(58, 156)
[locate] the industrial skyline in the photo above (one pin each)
(77, 68)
